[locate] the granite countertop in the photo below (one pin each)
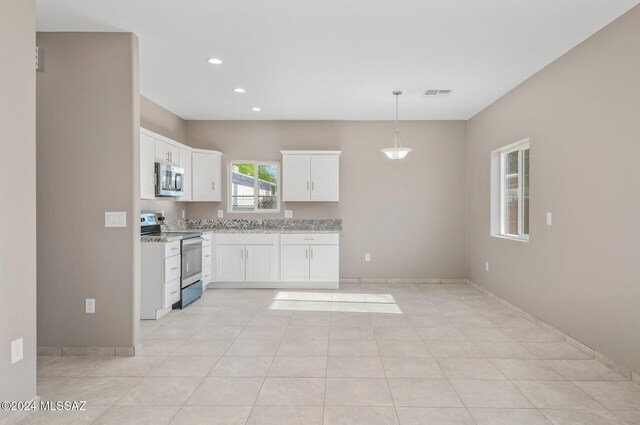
(174, 230)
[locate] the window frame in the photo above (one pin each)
(498, 217)
(256, 192)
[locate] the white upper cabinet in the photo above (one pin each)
(296, 178)
(202, 168)
(311, 176)
(206, 176)
(166, 152)
(185, 164)
(147, 167)
(325, 178)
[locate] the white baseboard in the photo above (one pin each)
(273, 285)
(401, 280)
(612, 364)
(87, 351)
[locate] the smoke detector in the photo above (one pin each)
(437, 92)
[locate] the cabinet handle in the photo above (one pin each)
(174, 292)
(173, 249)
(311, 253)
(174, 268)
(207, 256)
(242, 254)
(307, 186)
(213, 185)
(306, 254)
(313, 186)
(247, 249)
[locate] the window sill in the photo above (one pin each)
(510, 238)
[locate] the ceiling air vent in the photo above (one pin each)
(432, 92)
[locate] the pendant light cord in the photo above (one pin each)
(396, 141)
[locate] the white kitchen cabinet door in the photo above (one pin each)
(324, 263)
(294, 264)
(206, 175)
(147, 167)
(165, 152)
(185, 163)
(296, 181)
(260, 263)
(325, 178)
(230, 263)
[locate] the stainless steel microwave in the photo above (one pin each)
(169, 180)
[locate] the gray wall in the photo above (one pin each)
(162, 121)
(17, 198)
(88, 163)
(581, 275)
(159, 120)
(409, 215)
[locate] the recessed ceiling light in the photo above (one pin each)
(239, 90)
(214, 61)
(256, 109)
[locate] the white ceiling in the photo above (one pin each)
(336, 59)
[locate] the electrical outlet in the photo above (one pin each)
(486, 266)
(90, 305)
(288, 213)
(184, 214)
(367, 257)
(17, 350)
(220, 213)
(549, 219)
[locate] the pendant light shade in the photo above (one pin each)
(397, 152)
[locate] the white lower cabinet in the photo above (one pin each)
(230, 265)
(294, 265)
(310, 263)
(207, 260)
(323, 263)
(310, 258)
(260, 263)
(277, 260)
(160, 278)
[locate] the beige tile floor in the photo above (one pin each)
(371, 354)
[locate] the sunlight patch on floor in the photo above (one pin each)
(329, 301)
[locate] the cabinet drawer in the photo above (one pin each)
(172, 268)
(171, 293)
(206, 274)
(206, 256)
(247, 239)
(171, 248)
(310, 239)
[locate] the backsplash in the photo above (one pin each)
(257, 224)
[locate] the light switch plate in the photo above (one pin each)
(367, 257)
(17, 350)
(549, 219)
(288, 213)
(115, 219)
(184, 214)
(90, 305)
(220, 213)
(486, 266)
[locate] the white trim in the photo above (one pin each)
(255, 191)
(497, 212)
(624, 371)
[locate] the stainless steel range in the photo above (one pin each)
(191, 258)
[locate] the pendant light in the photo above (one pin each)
(397, 152)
